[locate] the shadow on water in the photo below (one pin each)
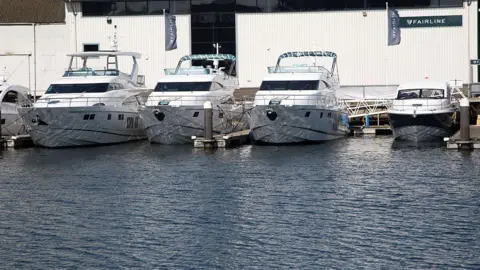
(397, 145)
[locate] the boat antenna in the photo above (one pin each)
(217, 50)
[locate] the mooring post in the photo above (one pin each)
(1, 135)
(208, 114)
(464, 120)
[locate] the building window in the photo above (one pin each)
(90, 47)
(143, 7)
(2, 121)
(86, 116)
(109, 117)
(307, 114)
(195, 114)
(120, 117)
(220, 115)
(92, 116)
(321, 115)
(136, 8)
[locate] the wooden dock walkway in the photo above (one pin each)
(224, 140)
(454, 142)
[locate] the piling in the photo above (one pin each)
(367, 121)
(464, 120)
(1, 135)
(209, 142)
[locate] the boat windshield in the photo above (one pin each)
(182, 86)
(289, 85)
(77, 88)
(420, 93)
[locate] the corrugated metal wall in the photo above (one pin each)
(52, 45)
(361, 44)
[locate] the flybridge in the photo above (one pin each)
(200, 70)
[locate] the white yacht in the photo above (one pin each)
(297, 104)
(12, 96)
(422, 111)
(173, 112)
(89, 106)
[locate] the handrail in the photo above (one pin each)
(51, 102)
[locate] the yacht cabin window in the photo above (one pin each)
(77, 88)
(421, 93)
(11, 97)
(291, 85)
(83, 88)
(182, 86)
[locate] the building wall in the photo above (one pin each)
(361, 44)
(143, 34)
(51, 47)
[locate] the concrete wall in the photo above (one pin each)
(361, 44)
(51, 47)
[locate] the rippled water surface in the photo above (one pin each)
(350, 204)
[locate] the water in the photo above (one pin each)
(360, 203)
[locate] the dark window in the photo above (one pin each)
(321, 115)
(120, 117)
(109, 117)
(157, 7)
(3, 121)
(195, 114)
(289, 85)
(136, 7)
(77, 88)
(307, 114)
(224, 35)
(329, 115)
(118, 8)
(86, 116)
(10, 97)
(92, 116)
(220, 115)
(180, 6)
(136, 122)
(96, 8)
(129, 122)
(420, 93)
(204, 35)
(90, 47)
(182, 86)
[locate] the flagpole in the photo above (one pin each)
(165, 50)
(386, 48)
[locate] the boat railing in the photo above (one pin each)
(132, 101)
(298, 69)
(194, 70)
(177, 100)
(422, 104)
(291, 100)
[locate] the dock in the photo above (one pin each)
(16, 142)
(455, 142)
(371, 130)
(223, 140)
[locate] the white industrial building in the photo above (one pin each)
(358, 36)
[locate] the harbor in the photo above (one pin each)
(238, 134)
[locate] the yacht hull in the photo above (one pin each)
(11, 122)
(296, 124)
(177, 125)
(73, 127)
(421, 127)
